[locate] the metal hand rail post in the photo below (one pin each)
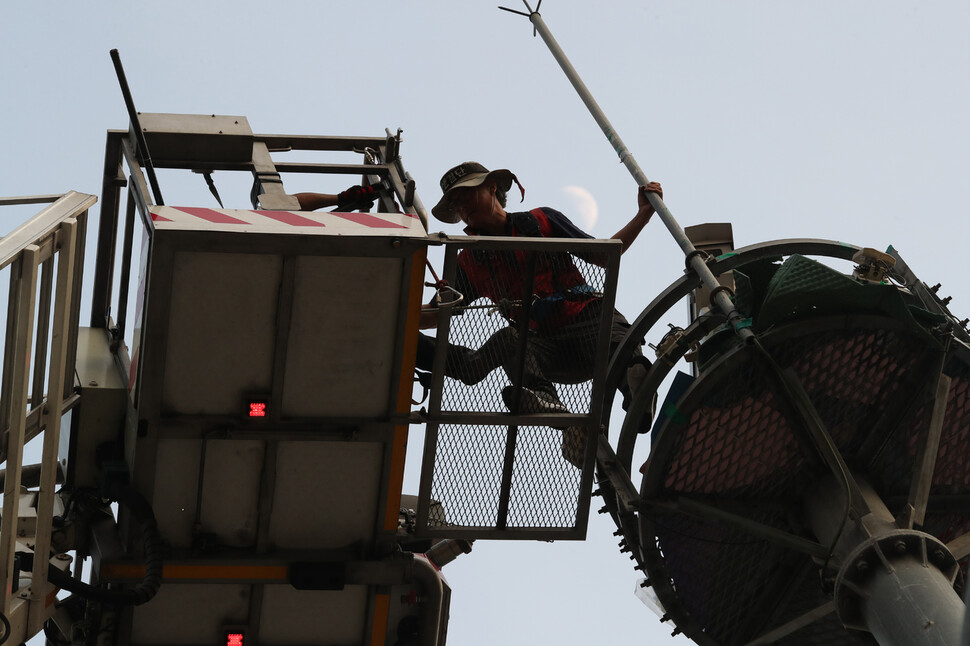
(54, 232)
(61, 331)
(23, 289)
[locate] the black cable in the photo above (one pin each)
(52, 633)
(151, 544)
(6, 628)
(88, 492)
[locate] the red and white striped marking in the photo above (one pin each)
(306, 223)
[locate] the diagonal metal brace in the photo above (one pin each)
(919, 492)
(815, 428)
(626, 493)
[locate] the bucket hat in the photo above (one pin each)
(467, 175)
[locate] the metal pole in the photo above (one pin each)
(894, 583)
(912, 604)
(136, 126)
(695, 259)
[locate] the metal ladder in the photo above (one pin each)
(44, 258)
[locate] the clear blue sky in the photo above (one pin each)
(846, 120)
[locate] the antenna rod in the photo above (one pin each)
(695, 259)
(136, 126)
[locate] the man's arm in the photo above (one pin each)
(314, 201)
(355, 197)
(564, 228)
(632, 229)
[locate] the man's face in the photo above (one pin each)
(472, 204)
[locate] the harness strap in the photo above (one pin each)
(442, 287)
(437, 281)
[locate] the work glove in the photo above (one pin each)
(356, 197)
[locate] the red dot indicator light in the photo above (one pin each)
(256, 409)
(234, 639)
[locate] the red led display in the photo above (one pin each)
(257, 409)
(234, 639)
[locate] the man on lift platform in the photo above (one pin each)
(565, 313)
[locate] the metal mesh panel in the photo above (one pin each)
(468, 474)
(748, 442)
(486, 395)
(518, 387)
(948, 525)
(951, 475)
(739, 418)
(947, 517)
(893, 464)
(735, 445)
(827, 631)
(720, 572)
(808, 595)
(468, 478)
(562, 337)
(850, 376)
(546, 479)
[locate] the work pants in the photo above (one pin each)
(565, 355)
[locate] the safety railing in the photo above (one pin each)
(517, 388)
(44, 258)
(125, 219)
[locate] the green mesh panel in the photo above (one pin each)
(803, 287)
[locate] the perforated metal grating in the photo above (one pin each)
(741, 416)
(564, 352)
(468, 474)
(851, 376)
(951, 475)
(507, 452)
(735, 446)
(724, 570)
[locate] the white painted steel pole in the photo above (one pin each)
(695, 259)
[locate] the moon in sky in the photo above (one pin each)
(583, 207)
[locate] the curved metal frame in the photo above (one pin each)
(653, 561)
(673, 295)
(618, 496)
(630, 516)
